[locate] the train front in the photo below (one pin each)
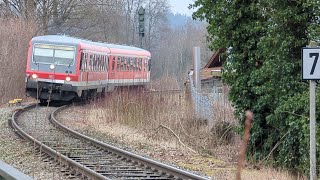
(51, 68)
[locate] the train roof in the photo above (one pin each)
(76, 41)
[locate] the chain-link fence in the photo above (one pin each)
(204, 103)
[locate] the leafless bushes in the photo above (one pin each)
(15, 35)
(158, 116)
(166, 83)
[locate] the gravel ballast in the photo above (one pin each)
(21, 154)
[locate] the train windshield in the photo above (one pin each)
(50, 54)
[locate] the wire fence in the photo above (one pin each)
(204, 103)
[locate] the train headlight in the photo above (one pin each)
(68, 79)
(52, 66)
(34, 76)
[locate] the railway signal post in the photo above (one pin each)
(311, 72)
(141, 13)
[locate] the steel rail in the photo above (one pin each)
(164, 168)
(51, 152)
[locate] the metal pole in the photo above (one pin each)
(313, 172)
(197, 68)
(313, 169)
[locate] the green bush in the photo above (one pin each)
(263, 69)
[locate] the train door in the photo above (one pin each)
(111, 72)
(84, 66)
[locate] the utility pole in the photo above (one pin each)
(141, 13)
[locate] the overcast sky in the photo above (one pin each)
(181, 6)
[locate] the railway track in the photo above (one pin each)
(82, 157)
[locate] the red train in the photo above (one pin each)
(62, 68)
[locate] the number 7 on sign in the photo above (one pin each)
(310, 66)
(316, 55)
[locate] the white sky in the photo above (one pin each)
(181, 6)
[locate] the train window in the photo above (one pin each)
(82, 64)
(85, 59)
(145, 64)
(102, 62)
(122, 64)
(104, 67)
(81, 61)
(106, 63)
(89, 62)
(86, 62)
(129, 64)
(95, 63)
(119, 64)
(139, 64)
(120, 59)
(134, 63)
(113, 63)
(98, 62)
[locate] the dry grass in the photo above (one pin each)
(162, 116)
(170, 83)
(263, 174)
(163, 126)
(15, 35)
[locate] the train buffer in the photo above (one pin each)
(15, 102)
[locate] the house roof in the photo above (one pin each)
(215, 60)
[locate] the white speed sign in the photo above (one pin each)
(311, 64)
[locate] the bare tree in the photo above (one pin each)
(156, 16)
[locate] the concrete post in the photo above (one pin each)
(197, 68)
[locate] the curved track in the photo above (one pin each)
(91, 159)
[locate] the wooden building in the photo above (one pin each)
(211, 73)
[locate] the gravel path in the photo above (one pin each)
(21, 154)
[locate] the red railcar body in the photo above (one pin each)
(63, 68)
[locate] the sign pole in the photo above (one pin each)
(313, 174)
(313, 169)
